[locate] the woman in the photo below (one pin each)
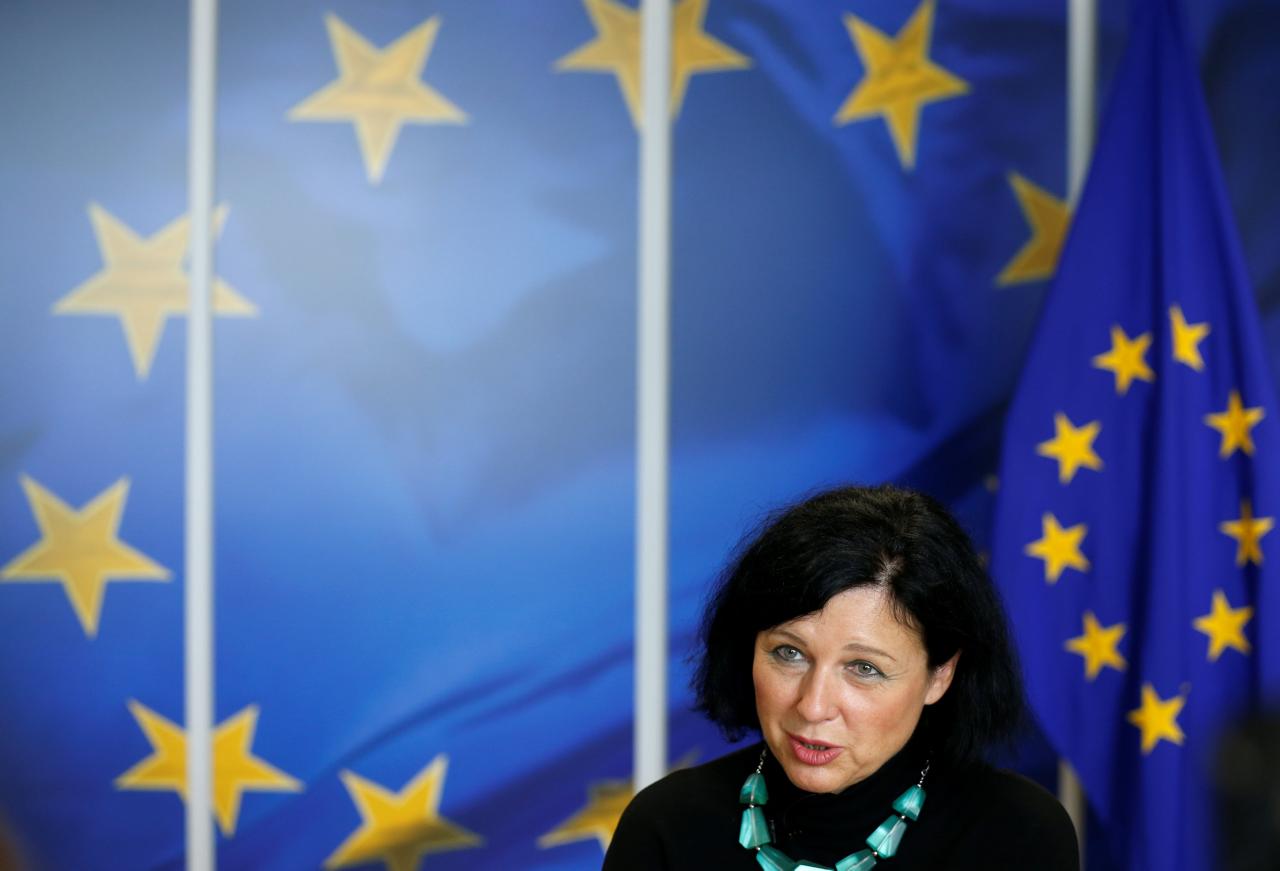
(860, 636)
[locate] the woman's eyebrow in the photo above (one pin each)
(859, 647)
(852, 646)
(786, 634)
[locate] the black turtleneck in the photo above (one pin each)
(975, 818)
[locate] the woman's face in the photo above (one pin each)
(840, 691)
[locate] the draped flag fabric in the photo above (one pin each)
(1140, 489)
(424, 385)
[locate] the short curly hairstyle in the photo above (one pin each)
(850, 537)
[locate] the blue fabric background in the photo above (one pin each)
(424, 439)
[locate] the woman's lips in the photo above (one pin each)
(812, 752)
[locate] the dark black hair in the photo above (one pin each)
(849, 537)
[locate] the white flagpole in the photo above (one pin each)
(1082, 88)
(653, 388)
(198, 616)
(1082, 111)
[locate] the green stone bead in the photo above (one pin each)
(773, 859)
(753, 790)
(910, 803)
(810, 866)
(754, 830)
(863, 860)
(885, 839)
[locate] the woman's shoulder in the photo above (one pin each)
(1031, 821)
(1008, 790)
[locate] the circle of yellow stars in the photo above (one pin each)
(143, 283)
(1061, 548)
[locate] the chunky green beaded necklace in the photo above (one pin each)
(754, 832)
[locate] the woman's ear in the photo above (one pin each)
(940, 679)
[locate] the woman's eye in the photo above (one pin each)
(787, 653)
(864, 669)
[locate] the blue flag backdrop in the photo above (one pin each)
(425, 378)
(1141, 472)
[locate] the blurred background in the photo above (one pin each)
(425, 362)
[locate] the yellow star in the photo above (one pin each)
(81, 550)
(616, 50)
(1224, 625)
(1059, 548)
(597, 819)
(1248, 530)
(400, 828)
(235, 769)
(1048, 218)
(142, 282)
(1187, 338)
(1098, 646)
(1235, 424)
(1071, 446)
(1157, 719)
(900, 79)
(1127, 359)
(379, 90)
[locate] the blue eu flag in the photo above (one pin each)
(1141, 473)
(424, 379)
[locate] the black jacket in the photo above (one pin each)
(976, 818)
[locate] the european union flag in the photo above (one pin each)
(1141, 472)
(425, 436)
(424, 373)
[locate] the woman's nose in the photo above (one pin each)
(817, 697)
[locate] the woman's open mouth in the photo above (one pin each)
(812, 752)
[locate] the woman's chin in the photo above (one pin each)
(814, 779)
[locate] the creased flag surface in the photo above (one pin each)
(1140, 479)
(424, 385)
